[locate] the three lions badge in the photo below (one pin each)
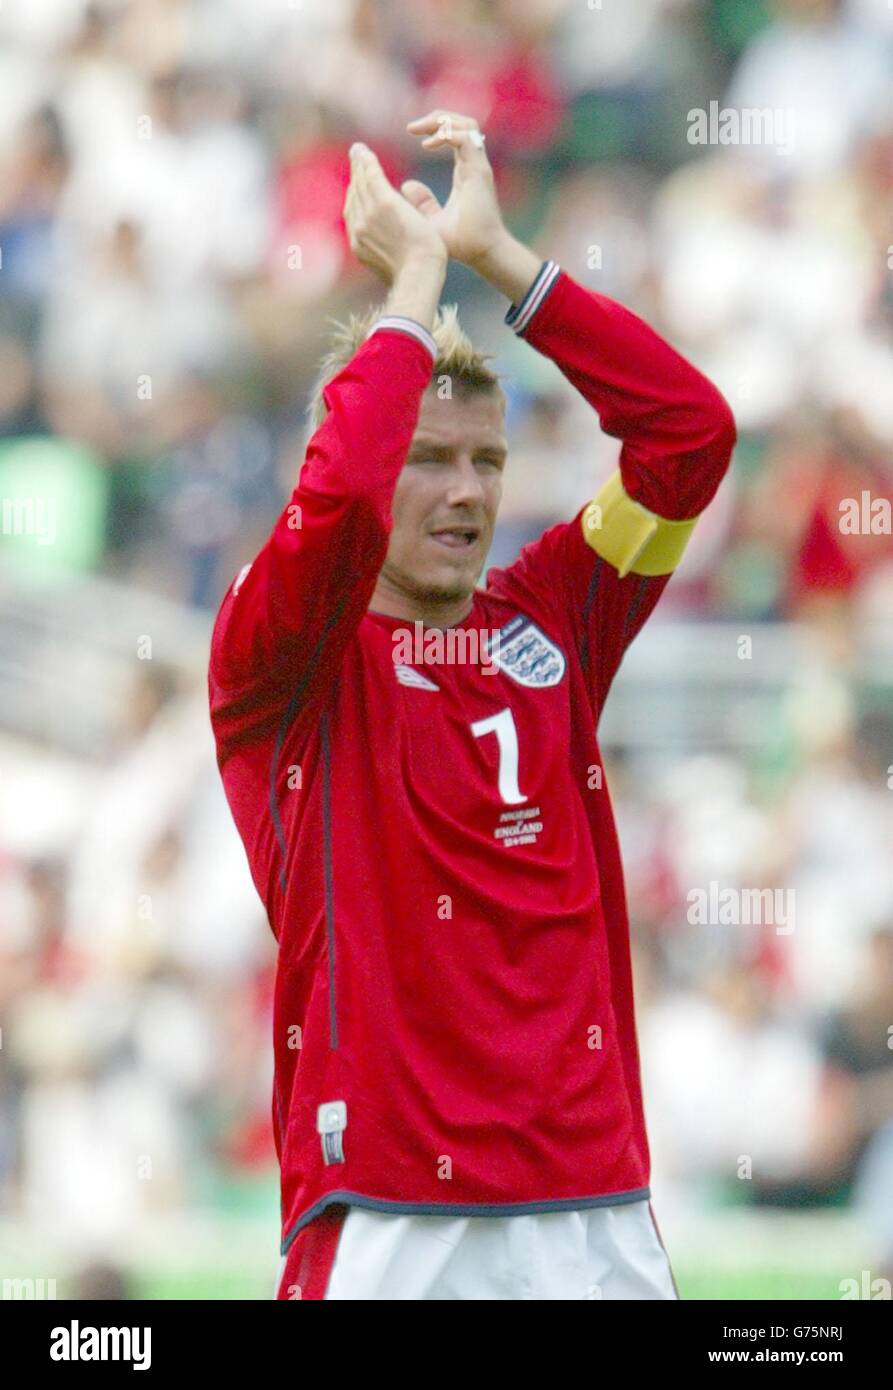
(525, 653)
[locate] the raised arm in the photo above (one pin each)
(677, 430)
(604, 571)
(610, 565)
(288, 616)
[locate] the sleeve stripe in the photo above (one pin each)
(519, 315)
(404, 325)
(633, 610)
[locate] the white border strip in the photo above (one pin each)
(404, 325)
(535, 296)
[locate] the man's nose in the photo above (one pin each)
(465, 483)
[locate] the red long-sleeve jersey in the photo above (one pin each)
(435, 844)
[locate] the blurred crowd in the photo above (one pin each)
(172, 174)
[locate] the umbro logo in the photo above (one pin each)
(407, 675)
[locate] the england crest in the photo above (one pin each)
(526, 654)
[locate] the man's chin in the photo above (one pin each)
(435, 593)
(453, 580)
(435, 585)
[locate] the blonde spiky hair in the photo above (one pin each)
(457, 356)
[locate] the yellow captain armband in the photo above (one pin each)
(631, 538)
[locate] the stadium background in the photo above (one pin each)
(171, 181)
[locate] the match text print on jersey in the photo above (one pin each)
(515, 827)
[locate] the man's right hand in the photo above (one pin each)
(386, 232)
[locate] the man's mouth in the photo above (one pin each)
(457, 537)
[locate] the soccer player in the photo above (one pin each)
(457, 1104)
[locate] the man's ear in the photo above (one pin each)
(421, 197)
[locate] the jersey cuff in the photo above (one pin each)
(519, 315)
(410, 326)
(631, 538)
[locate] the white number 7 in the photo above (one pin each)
(503, 726)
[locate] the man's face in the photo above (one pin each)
(446, 499)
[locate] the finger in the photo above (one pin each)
(348, 213)
(425, 125)
(448, 128)
(358, 179)
(372, 181)
(469, 153)
(421, 197)
(362, 162)
(349, 210)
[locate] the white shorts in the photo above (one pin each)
(610, 1252)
